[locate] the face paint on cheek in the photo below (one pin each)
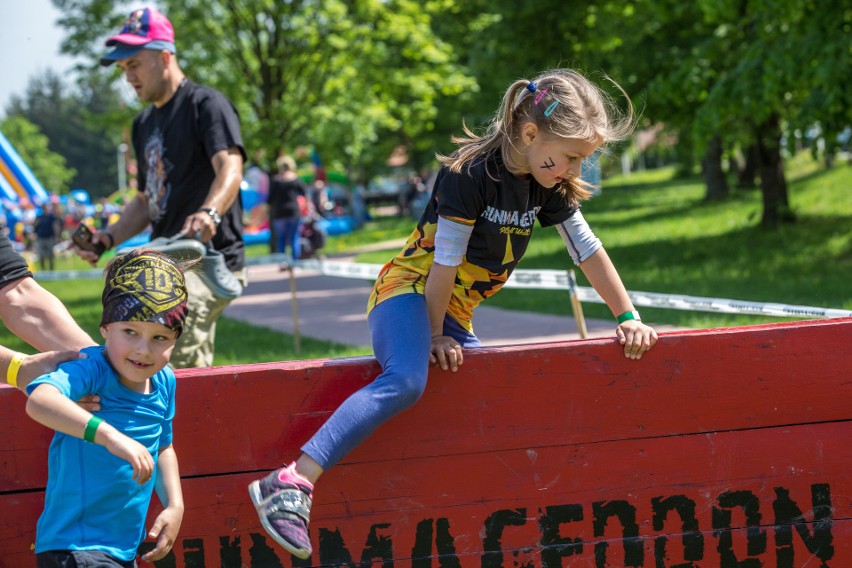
(550, 165)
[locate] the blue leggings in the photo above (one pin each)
(287, 234)
(401, 339)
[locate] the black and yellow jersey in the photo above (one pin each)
(501, 207)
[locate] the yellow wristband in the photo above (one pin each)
(13, 368)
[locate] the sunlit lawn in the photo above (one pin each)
(664, 238)
(661, 235)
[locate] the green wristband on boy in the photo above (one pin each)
(92, 429)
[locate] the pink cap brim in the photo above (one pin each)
(129, 39)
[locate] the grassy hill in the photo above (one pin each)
(663, 237)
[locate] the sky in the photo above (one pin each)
(29, 45)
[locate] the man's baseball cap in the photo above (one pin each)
(145, 28)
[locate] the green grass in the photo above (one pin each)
(664, 238)
(376, 230)
(236, 342)
(661, 235)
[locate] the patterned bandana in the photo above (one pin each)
(145, 286)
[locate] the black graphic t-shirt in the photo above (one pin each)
(12, 265)
(174, 145)
(502, 211)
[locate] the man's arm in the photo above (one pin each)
(18, 370)
(133, 220)
(228, 165)
(39, 318)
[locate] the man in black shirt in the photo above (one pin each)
(190, 155)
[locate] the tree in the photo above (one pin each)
(748, 71)
(82, 124)
(48, 167)
(353, 79)
(501, 41)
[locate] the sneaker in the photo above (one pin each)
(216, 275)
(181, 250)
(283, 503)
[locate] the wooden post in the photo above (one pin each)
(297, 340)
(576, 307)
(718, 447)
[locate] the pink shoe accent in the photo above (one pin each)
(290, 475)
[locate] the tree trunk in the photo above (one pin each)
(684, 152)
(776, 206)
(714, 175)
(747, 178)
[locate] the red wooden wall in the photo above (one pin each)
(726, 447)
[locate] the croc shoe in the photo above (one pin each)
(180, 249)
(216, 275)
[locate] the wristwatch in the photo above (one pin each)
(213, 215)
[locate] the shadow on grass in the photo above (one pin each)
(791, 265)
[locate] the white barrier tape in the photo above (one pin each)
(68, 274)
(558, 280)
(542, 280)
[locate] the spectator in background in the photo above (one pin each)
(285, 212)
(318, 197)
(47, 228)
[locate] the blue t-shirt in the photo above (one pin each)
(92, 501)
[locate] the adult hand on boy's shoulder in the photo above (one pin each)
(42, 363)
(165, 529)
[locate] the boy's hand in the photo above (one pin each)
(133, 452)
(165, 530)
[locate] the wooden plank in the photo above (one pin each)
(256, 416)
(558, 454)
(616, 498)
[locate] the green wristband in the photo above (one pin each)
(627, 316)
(92, 428)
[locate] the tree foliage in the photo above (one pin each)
(32, 145)
(353, 79)
(83, 124)
(356, 78)
(747, 72)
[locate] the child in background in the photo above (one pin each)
(474, 231)
(103, 468)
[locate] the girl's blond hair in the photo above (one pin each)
(564, 104)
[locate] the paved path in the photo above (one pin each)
(334, 309)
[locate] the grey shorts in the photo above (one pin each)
(80, 559)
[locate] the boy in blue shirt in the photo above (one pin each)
(103, 467)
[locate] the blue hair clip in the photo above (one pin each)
(531, 87)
